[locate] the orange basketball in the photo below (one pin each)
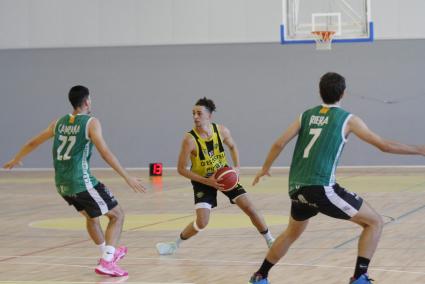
(228, 177)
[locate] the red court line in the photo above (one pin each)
(44, 250)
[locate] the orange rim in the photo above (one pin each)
(324, 35)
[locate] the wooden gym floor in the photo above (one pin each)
(42, 240)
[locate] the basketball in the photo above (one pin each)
(228, 177)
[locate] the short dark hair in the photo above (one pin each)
(77, 94)
(207, 103)
(332, 87)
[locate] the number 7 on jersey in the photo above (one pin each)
(316, 133)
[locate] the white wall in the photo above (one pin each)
(68, 23)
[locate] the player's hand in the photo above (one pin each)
(11, 164)
(421, 149)
(259, 175)
(135, 184)
(237, 170)
(213, 182)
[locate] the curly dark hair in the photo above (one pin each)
(207, 103)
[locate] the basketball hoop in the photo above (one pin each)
(323, 39)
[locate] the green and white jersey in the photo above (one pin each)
(319, 145)
(71, 155)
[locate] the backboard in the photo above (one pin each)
(349, 19)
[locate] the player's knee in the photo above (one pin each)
(121, 217)
(292, 232)
(293, 235)
(92, 221)
(379, 222)
(116, 215)
(250, 210)
(200, 225)
(376, 223)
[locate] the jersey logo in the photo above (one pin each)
(324, 110)
(211, 153)
(199, 194)
(302, 199)
(71, 119)
(62, 189)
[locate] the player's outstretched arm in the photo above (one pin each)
(31, 145)
(277, 148)
(187, 148)
(360, 129)
(95, 134)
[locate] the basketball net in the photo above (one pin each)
(323, 39)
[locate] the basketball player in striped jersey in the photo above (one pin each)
(203, 146)
(322, 132)
(73, 138)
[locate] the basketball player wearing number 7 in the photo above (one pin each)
(322, 132)
(73, 138)
(203, 145)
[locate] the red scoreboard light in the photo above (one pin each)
(155, 169)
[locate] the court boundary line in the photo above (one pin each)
(42, 169)
(230, 261)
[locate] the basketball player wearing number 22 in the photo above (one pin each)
(74, 136)
(204, 147)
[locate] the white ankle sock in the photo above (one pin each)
(102, 247)
(268, 236)
(108, 253)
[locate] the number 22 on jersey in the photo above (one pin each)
(70, 140)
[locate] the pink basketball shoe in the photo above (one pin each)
(120, 252)
(110, 268)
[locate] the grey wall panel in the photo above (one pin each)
(144, 95)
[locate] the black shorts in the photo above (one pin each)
(207, 194)
(333, 201)
(96, 201)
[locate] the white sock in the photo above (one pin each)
(267, 235)
(102, 247)
(108, 253)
